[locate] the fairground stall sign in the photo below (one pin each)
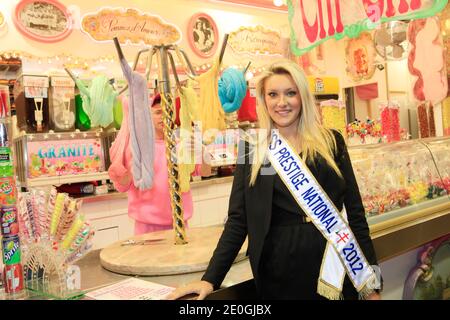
(256, 40)
(312, 22)
(129, 25)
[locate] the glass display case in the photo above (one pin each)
(400, 178)
(440, 149)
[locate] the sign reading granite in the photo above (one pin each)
(64, 157)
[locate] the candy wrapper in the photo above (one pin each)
(67, 218)
(425, 119)
(26, 217)
(40, 205)
(334, 115)
(60, 205)
(390, 121)
(50, 208)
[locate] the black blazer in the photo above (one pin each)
(250, 209)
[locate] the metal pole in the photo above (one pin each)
(169, 138)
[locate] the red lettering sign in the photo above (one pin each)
(314, 21)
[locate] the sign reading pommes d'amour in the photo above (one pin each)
(129, 25)
(314, 21)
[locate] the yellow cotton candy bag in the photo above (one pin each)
(212, 115)
(188, 114)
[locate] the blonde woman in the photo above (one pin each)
(286, 250)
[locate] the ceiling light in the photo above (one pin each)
(278, 3)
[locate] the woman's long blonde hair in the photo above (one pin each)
(315, 139)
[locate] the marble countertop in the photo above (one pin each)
(94, 276)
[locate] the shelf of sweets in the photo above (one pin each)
(368, 132)
(364, 132)
(401, 175)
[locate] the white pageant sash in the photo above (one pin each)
(342, 252)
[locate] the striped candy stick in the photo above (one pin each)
(59, 207)
(50, 208)
(73, 231)
(24, 222)
(67, 219)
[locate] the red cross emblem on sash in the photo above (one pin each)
(343, 237)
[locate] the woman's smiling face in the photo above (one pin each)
(283, 101)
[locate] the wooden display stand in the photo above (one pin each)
(160, 256)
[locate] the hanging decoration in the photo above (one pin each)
(314, 22)
(426, 60)
(256, 40)
(203, 35)
(129, 25)
(360, 57)
(59, 60)
(43, 20)
(232, 89)
(390, 40)
(76, 62)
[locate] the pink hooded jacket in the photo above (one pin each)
(152, 205)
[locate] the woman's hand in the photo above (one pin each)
(202, 288)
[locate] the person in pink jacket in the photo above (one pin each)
(150, 208)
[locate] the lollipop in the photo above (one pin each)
(59, 207)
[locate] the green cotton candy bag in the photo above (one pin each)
(98, 100)
(117, 114)
(82, 120)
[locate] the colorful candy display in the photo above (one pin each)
(54, 218)
(364, 132)
(400, 175)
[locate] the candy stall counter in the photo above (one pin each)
(440, 149)
(405, 189)
(64, 157)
